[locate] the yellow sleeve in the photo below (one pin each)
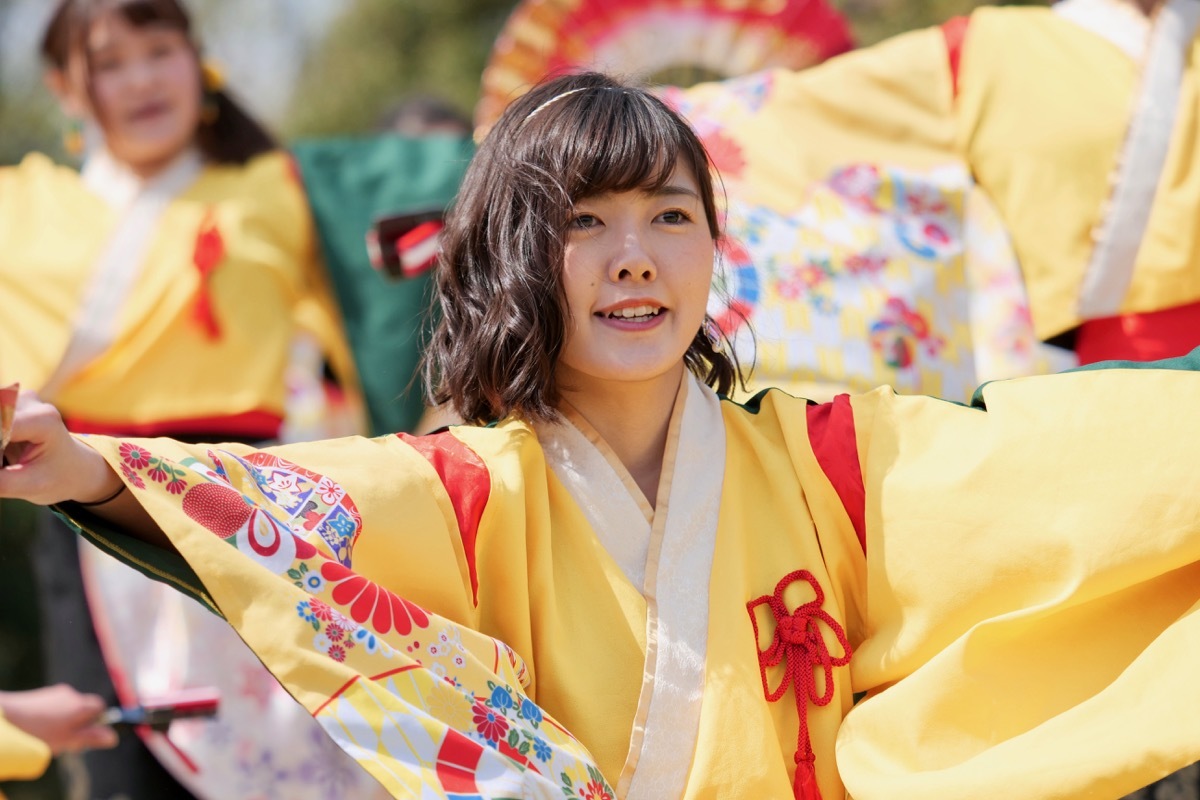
(315, 311)
(276, 538)
(1031, 588)
(22, 757)
(892, 103)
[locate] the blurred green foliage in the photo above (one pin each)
(381, 51)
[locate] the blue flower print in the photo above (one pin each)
(305, 611)
(530, 711)
(501, 699)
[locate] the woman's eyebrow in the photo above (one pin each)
(672, 189)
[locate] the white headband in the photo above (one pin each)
(568, 93)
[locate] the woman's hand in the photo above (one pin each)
(45, 464)
(60, 716)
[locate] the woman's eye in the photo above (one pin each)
(585, 221)
(674, 217)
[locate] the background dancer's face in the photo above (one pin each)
(144, 92)
(636, 272)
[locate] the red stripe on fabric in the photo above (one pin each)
(357, 678)
(831, 434)
(955, 32)
(336, 694)
(248, 425)
(468, 483)
(1148, 336)
(457, 762)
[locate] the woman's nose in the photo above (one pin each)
(632, 262)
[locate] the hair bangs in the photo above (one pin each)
(621, 143)
(145, 13)
(68, 29)
(603, 137)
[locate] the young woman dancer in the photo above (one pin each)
(882, 596)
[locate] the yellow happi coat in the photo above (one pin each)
(1017, 582)
(227, 273)
(22, 757)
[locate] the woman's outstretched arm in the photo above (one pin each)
(45, 464)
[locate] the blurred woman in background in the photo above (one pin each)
(160, 291)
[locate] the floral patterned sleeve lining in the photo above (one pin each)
(428, 707)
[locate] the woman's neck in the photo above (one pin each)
(633, 419)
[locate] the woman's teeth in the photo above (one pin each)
(635, 313)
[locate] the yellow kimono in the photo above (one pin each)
(22, 757)
(217, 275)
(1028, 103)
(880, 597)
(227, 272)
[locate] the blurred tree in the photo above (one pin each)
(382, 50)
(27, 114)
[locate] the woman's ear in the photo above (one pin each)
(69, 100)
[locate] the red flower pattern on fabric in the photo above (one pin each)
(726, 154)
(134, 455)
(320, 610)
(595, 791)
(132, 477)
(490, 724)
(369, 602)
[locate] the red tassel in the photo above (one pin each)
(798, 646)
(805, 786)
(209, 250)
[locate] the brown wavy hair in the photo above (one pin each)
(232, 136)
(503, 310)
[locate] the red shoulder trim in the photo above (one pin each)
(955, 32)
(468, 483)
(831, 434)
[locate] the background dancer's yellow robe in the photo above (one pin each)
(228, 272)
(1039, 124)
(857, 188)
(1018, 585)
(22, 757)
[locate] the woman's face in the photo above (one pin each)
(146, 93)
(636, 274)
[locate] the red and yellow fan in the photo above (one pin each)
(672, 42)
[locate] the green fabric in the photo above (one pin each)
(154, 562)
(350, 183)
(1189, 362)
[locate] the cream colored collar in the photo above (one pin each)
(115, 183)
(667, 554)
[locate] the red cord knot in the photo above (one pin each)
(208, 252)
(799, 646)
